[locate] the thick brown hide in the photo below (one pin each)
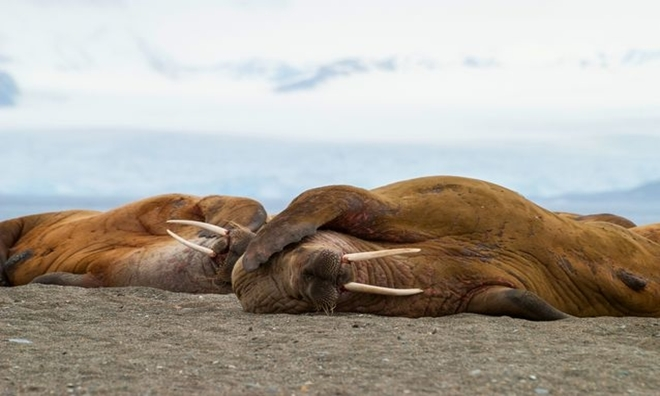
(129, 246)
(484, 249)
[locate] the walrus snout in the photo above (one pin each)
(327, 273)
(321, 276)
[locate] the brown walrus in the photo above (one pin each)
(468, 246)
(130, 245)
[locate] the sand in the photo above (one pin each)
(141, 341)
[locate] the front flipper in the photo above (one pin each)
(504, 301)
(11, 232)
(68, 279)
(341, 208)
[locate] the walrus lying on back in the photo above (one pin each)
(461, 245)
(130, 245)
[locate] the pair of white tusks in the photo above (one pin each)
(206, 226)
(385, 291)
(350, 286)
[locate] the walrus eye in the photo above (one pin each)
(361, 256)
(385, 291)
(206, 226)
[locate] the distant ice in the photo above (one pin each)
(101, 169)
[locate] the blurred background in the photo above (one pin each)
(107, 101)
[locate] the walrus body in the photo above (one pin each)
(483, 249)
(129, 246)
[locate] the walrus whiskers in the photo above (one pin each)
(385, 291)
(361, 256)
(207, 226)
(209, 252)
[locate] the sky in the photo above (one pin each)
(345, 70)
(544, 97)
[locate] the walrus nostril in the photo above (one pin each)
(323, 264)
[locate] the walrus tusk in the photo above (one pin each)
(207, 226)
(385, 291)
(360, 256)
(209, 252)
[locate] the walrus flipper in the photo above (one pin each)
(340, 208)
(68, 279)
(4, 279)
(504, 301)
(10, 232)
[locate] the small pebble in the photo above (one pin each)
(541, 391)
(20, 340)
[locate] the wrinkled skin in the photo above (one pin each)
(484, 249)
(129, 246)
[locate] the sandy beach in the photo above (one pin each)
(141, 341)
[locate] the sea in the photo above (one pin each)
(100, 169)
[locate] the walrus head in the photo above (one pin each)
(218, 245)
(327, 271)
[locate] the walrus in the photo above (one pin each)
(445, 245)
(132, 245)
